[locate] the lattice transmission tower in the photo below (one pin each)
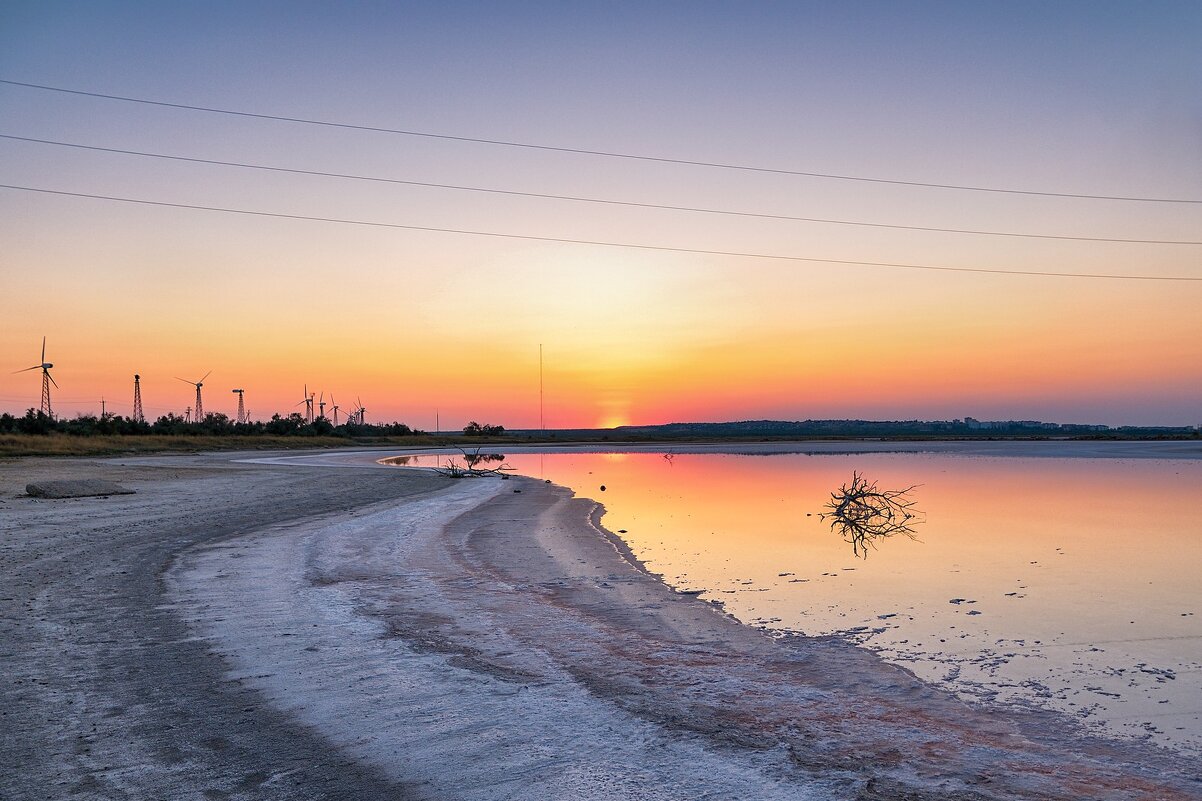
(138, 416)
(241, 406)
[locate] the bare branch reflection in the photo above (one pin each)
(862, 513)
(475, 465)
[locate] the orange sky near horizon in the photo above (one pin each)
(619, 350)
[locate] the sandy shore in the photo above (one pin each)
(106, 692)
(262, 631)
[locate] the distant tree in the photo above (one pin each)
(214, 424)
(474, 429)
(171, 423)
(34, 422)
(280, 426)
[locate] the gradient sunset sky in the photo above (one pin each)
(1086, 98)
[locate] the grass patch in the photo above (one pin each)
(102, 445)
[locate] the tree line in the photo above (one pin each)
(215, 424)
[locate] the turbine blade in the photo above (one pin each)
(186, 381)
(201, 381)
(52, 381)
(43, 350)
(27, 369)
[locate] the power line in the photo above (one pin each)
(587, 152)
(580, 199)
(563, 240)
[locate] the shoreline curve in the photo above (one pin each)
(536, 637)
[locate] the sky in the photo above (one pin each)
(1077, 98)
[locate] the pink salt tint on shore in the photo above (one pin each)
(1068, 584)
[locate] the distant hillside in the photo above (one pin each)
(836, 429)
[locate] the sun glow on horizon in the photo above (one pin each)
(613, 421)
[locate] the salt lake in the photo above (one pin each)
(1062, 583)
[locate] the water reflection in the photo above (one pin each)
(862, 513)
(474, 464)
(477, 458)
(1070, 583)
(1064, 583)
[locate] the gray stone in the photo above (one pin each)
(76, 488)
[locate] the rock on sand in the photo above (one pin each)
(75, 488)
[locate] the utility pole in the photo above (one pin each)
(103, 412)
(541, 423)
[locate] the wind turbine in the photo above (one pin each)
(200, 409)
(362, 411)
(308, 402)
(47, 380)
(321, 404)
(332, 401)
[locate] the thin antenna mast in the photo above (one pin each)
(542, 426)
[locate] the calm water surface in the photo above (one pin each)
(1072, 584)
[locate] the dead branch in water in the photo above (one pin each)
(471, 465)
(861, 513)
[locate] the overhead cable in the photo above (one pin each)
(588, 152)
(601, 243)
(581, 199)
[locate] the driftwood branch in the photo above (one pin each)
(862, 513)
(475, 465)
